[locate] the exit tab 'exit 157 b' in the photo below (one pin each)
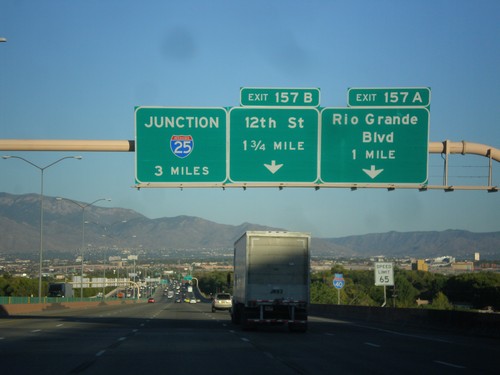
(279, 97)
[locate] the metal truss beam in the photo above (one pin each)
(445, 148)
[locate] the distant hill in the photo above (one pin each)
(458, 243)
(115, 227)
(124, 228)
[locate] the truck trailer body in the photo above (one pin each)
(271, 279)
(62, 290)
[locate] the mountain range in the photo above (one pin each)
(127, 229)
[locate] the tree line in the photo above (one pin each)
(470, 290)
(476, 290)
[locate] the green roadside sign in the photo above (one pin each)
(389, 97)
(180, 145)
(374, 145)
(273, 145)
(279, 97)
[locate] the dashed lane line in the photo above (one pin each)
(448, 364)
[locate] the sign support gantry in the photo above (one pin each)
(446, 148)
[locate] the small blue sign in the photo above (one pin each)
(338, 281)
(181, 145)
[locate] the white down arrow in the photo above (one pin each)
(372, 172)
(273, 167)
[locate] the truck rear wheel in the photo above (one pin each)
(235, 314)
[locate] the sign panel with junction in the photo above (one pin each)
(180, 145)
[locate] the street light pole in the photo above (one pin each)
(42, 169)
(106, 244)
(83, 207)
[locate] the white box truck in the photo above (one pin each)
(271, 279)
(62, 290)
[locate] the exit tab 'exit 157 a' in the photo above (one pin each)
(389, 97)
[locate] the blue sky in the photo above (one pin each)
(76, 70)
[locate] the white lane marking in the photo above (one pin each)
(448, 364)
(385, 330)
(122, 339)
(36, 330)
(407, 334)
(98, 354)
(245, 339)
(372, 344)
(60, 325)
(135, 330)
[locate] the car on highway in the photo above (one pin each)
(151, 300)
(221, 301)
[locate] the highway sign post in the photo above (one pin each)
(273, 145)
(338, 283)
(180, 145)
(282, 97)
(384, 275)
(389, 97)
(374, 145)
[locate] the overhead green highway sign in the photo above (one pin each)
(374, 145)
(279, 97)
(273, 145)
(389, 97)
(278, 137)
(180, 145)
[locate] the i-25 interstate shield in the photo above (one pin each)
(181, 145)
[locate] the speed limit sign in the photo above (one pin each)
(384, 273)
